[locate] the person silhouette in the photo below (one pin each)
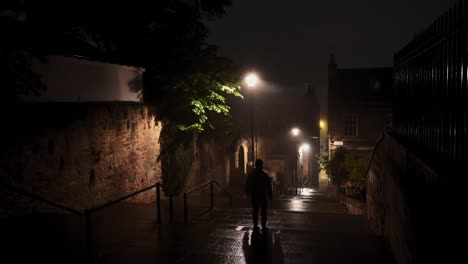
(258, 188)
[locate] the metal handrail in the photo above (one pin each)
(224, 190)
(211, 197)
(89, 211)
(158, 200)
(373, 153)
(164, 189)
(37, 197)
(108, 204)
(199, 187)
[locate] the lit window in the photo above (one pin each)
(351, 125)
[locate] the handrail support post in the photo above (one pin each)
(171, 210)
(211, 195)
(185, 208)
(158, 202)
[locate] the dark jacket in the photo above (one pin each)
(258, 185)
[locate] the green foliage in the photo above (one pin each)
(337, 167)
(207, 98)
(185, 80)
(347, 166)
(323, 162)
(356, 166)
(15, 60)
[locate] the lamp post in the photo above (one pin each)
(313, 169)
(251, 79)
(303, 151)
(295, 133)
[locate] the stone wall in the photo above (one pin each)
(83, 155)
(212, 161)
(403, 202)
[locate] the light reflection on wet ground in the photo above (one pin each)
(308, 228)
(310, 200)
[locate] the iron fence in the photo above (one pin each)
(431, 92)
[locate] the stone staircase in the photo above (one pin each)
(311, 228)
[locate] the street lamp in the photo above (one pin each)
(251, 79)
(321, 124)
(305, 147)
(296, 132)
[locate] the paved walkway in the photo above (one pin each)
(311, 228)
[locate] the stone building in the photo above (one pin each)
(275, 114)
(359, 106)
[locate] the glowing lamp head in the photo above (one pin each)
(251, 80)
(295, 131)
(305, 147)
(322, 124)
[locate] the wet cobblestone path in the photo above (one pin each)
(309, 228)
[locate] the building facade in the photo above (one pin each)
(359, 106)
(275, 114)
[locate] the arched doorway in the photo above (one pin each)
(241, 159)
(238, 162)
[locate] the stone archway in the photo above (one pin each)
(241, 154)
(240, 159)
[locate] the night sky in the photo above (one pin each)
(289, 42)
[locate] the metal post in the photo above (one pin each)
(252, 125)
(211, 196)
(185, 208)
(158, 202)
(89, 236)
(171, 211)
(297, 167)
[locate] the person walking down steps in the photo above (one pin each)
(258, 189)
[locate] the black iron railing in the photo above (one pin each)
(211, 183)
(87, 213)
(431, 90)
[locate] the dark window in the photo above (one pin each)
(351, 125)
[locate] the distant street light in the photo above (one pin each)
(305, 147)
(295, 131)
(252, 79)
(322, 124)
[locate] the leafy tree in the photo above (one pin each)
(185, 79)
(337, 169)
(323, 162)
(356, 167)
(15, 59)
(347, 166)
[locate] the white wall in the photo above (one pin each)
(70, 79)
